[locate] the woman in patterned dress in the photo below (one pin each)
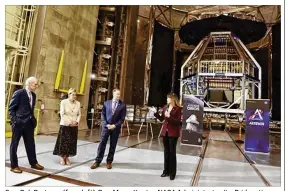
(66, 145)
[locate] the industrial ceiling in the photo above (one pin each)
(175, 16)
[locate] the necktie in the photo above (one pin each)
(114, 106)
(30, 98)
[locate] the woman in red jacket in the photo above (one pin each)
(171, 117)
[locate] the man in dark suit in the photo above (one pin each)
(113, 115)
(23, 123)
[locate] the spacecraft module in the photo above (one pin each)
(223, 71)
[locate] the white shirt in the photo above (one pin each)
(70, 112)
(29, 96)
(167, 112)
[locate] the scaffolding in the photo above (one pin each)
(109, 54)
(18, 26)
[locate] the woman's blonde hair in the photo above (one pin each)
(174, 99)
(71, 91)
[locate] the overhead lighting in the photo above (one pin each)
(110, 24)
(93, 76)
(138, 20)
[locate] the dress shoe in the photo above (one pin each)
(95, 165)
(37, 167)
(16, 170)
(172, 177)
(164, 175)
(109, 166)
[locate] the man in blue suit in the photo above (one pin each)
(23, 123)
(113, 115)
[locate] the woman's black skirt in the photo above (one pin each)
(66, 144)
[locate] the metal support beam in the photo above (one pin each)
(260, 13)
(148, 54)
(270, 68)
(163, 15)
(183, 19)
(115, 47)
(278, 13)
(129, 54)
(201, 8)
(161, 12)
(183, 66)
(243, 92)
(142, 16)
(170, 16)
(175, 48)
(124, 52)
(256, 64)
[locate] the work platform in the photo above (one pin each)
(139, 162)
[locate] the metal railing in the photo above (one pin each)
(18, 31)
(221, 66)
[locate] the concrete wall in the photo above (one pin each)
(72, 29)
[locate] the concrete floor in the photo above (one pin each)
(139, 162)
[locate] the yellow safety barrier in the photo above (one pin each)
(8, 133)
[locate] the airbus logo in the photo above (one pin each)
(257, 115)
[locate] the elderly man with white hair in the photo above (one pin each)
(23, 123)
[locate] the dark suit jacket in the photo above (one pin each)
(173, 123)
(19, 110)
(117, 119)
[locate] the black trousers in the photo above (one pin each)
(169, 154)
(114, 136)
(27, 131)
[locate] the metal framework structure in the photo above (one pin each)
(175, 16)
(109, 53)
(121, 48)
(18, 25)
(19, 22)
(148, 54)
(223, 71)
